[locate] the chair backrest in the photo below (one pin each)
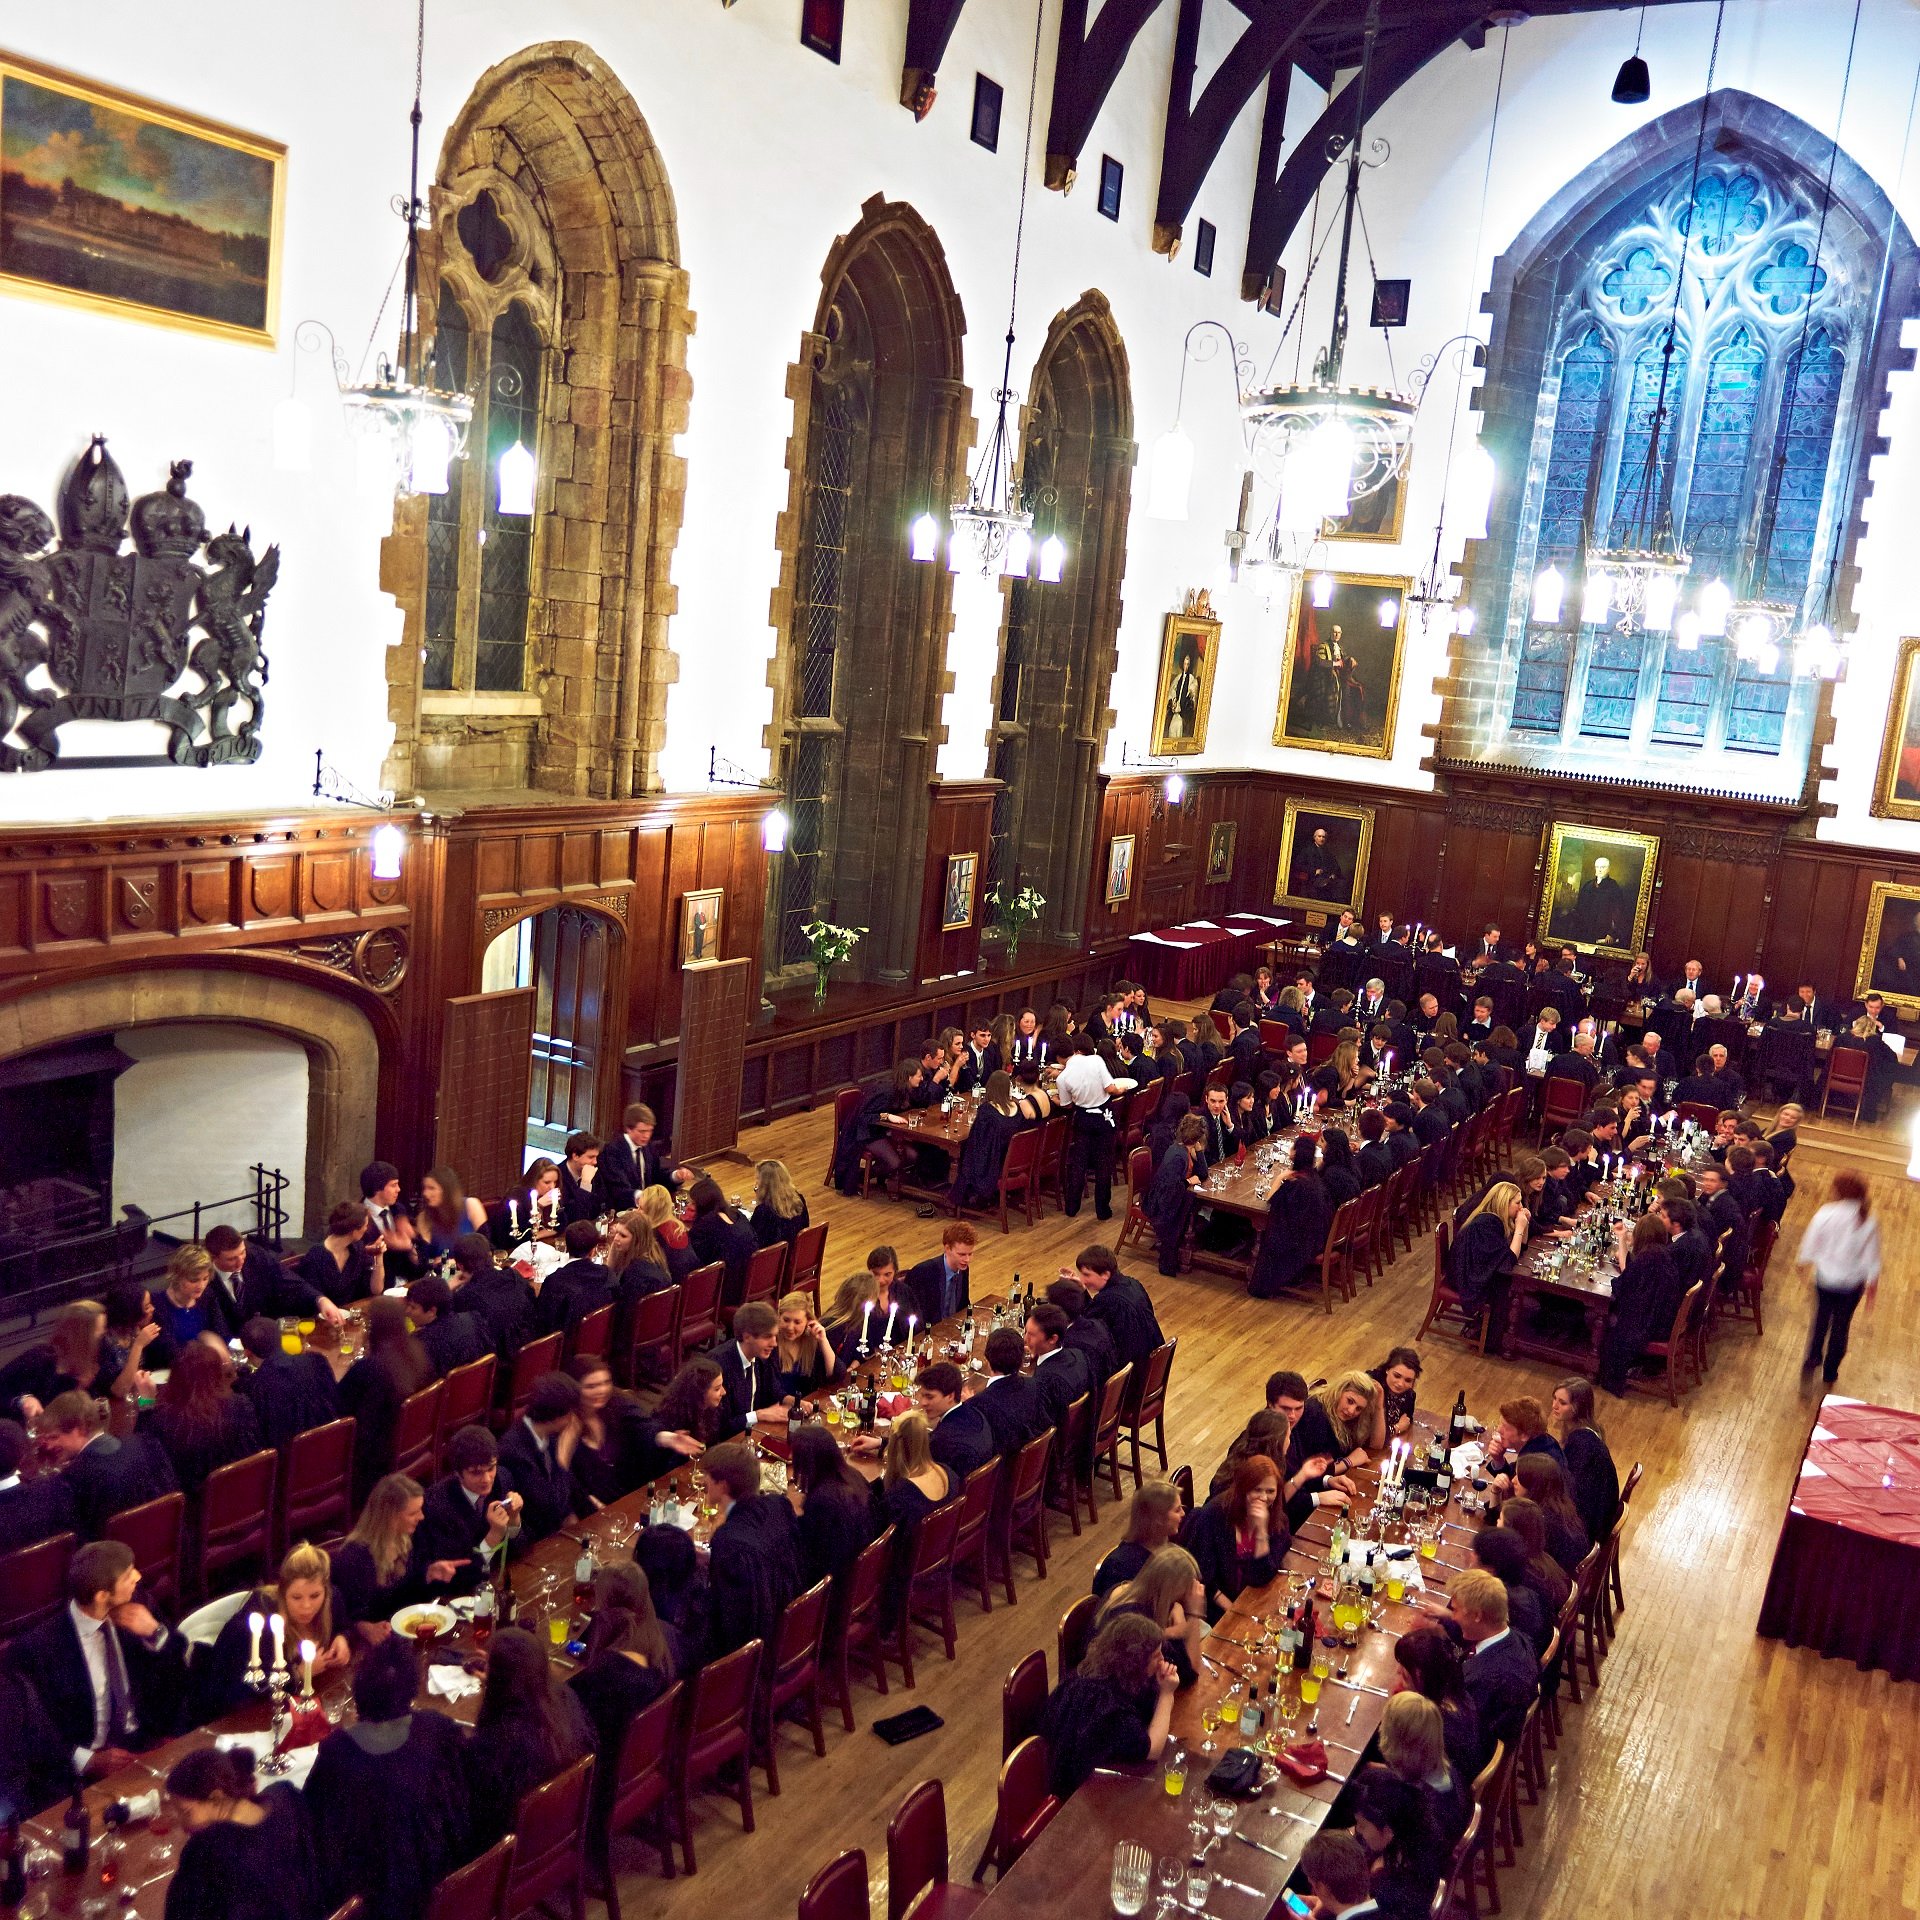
(153, 1531)
(1139, 1172)
(1025, 1805)
(1222, 1023)
(549, 1838)
(235, 1506)
(642, 1771)
(916, 1846)
(649, 1332)
(1633, 1479)
(722, 1694)
(1320, 1048)
(1153, 1390)
(700, 1306)
(1076, 1629)
(1030, 1471)
(1053, 1144)
(535, 1358)
(809, 1251)
(933, 1544)
(976, 1505)
(1220, 1075)
(474, 1892)
(865, 1582)
(592, 1334)
(1442, 1239)
(1703, 1113)
(1684, 1312)
(765, 1272)
(846, 1103)
(1113, 1396)
(1073, 1430)
(1484, 1779)
(1182, 1477)
(1023, 1700)
(466, 1396)
(33, 1583)
(1338, 1228)
(1146, 1101)
(797, 1637)
(201, 1628)
(318, 1495)
(1023, 1156)
(416, 1432)
(1182, 1083)
(839, 1890)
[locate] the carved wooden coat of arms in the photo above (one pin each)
(169, 632)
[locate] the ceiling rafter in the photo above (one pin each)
(930, 25)
(1197, 130)
(1088, 64)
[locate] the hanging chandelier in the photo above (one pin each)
(1322, 441)
(993, 523)
(424, 427)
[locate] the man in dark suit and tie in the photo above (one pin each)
(1490, 948)
(1816, 1012)
(251, 1280)
(962, 1439)
(1370, 1003)
(1121, 1305)
(981, 1059)
(451, 1339)
(1502, 1671)
(580, 1195)
(937, 1289)
(1009, 1400)
(30, 1510)
(1059, 1372)
(1386, 939)
(537, 1453)
(1430, 1122)
(109, 1674)
(632, 1159)
(105, 1476)
(289, 1392)
(753, 1391)
(473, 1512)
(1216, 1115)
(1545, 1035)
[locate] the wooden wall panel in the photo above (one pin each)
(959, 820)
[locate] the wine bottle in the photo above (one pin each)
(583, 1577)
(1250, 1713)
(1457, 1426)
(76, 1831)
(1303, 1647)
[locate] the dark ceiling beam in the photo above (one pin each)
(1083, 75)
(1279, 202)
(930, 25)
(1273, 141)
(1197, 130)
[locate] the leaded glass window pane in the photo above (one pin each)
(506, 552)
(1613, 686)
(1540, 687)
(809, 775)
(451, 345)
(1643, 406)
(1757, 716)
(1586, 374)
(1718, 490)
(823, 560)
(1805, 438)
(1685, 705)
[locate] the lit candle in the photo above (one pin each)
(513, 1216)
(306, 1666)
(279, 1644)
(886, 1337)
(257, 1622)
(866, 1318)
(913, 1320)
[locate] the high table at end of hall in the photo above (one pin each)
(1846, 1567)
(1067, 1869)
(1178, 963)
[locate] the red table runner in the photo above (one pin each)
(1853, 1454)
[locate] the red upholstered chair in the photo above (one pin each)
(766, 1272)
(641, 1791)
(1562, 1101)
(792, 1677)
(1320, 1048)
(929, 1586)
(535, 1358)
(316, 1491)
(592, 1334)
(699, 1310)
(550, 1845)
(33, 1584)
(1675, 1348)
(1024, 1807)
(1443, 1304)
(1136, 1226)
(839, 1890)
(1075, 1630)
(1063, 1495)
(236, 1523)
(152, 1532)
(1150, 1407)
(1846, 1078)
(846, 1103)
(416, 1434)
(972, 1545)
(1020, 1176)
(1023, 1526)
(1023, 1699)
(1053, 1156)
(917, 1859)
(1105, 1451)
(809, 1251)
(646, 1347)
(853, 1631)
(466, 1399)
(716, 1728)
(473, 1892)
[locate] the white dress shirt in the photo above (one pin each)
(1083, 1082)
(96, 1649)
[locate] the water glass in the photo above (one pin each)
(1199, 1884)
(1132, 1874)
(1224, 1815)
(1173, 1773)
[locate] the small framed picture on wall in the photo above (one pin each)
(700, 923)
(1220, 844)
(956, 905)
(1119, 869)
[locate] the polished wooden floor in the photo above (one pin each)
(1714, 1773)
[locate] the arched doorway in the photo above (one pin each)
(567, 954)
(1057, 649)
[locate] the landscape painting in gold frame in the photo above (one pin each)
(118, 203)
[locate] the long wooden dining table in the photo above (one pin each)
(1068, 1868)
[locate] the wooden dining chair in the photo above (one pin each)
(791, 1677)
(1444, 1305)
(1020, 1176)
(716, 1728)
(972, 1545)
(1023, 1807)
(1052, 1171)
(645, 1347)
(846, 1103)
(1150, 1404)
(316, 1490)
(1024, 1528)
(853, 1631)
(235, 1538)
(1023, 1700)
(475, 1891)
(1064, 1493)
(33, 1584)
(766, 1270)
(1136, 1226)
(699, 1326)
(154, 1533)
(1675, 1348)
(639, 1791)
(918, 1861)
(535, 1358)
(1104, 1448)
(1846, 1077)
(549, 1862)
(591, 1336)
(1334, 1258)
(839, 1890)
(929, 1594)
(1074, 1631)
(416, 1433)
(809, 1257)
(466, 1398)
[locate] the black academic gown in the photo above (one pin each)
(1298, 1215)
(1125, 1309)
(265, 1872)
(753, 1570)
(1645, 1296)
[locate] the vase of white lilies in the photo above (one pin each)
(829, 944)
(1016, 909)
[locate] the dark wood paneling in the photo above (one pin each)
(959, 819)
(714, 1003)
(483, 1087)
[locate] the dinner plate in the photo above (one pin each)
(1126, 1086)
(409, 1620)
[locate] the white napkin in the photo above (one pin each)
(452, 1683)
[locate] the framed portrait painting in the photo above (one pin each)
(1221, 839)
(956, 902)
(1896, 792)
(1598, 886)
(1323, 856)
(1183, 695)
(111, 201)
(700, 922)
(1340, 677)
(1890, 952)
(1119, 869)
(1380, 515)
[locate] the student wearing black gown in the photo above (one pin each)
(1299, 1211)
(628, 1666)
(1646, 1295)
(1114, 1709)
(913, 1484)
(615, 1434)
(305, 1600)
(499, 1298)
(716, 1232)
(863, 1135)
(1336, 1167)
(836, 1511)
(345, 1266)
(382, 1564)
(530, 1725)
(395, 1774)
(1593, 1478)
(375, 1388)
(1240, 1536)
(1165, 1126)
(290, 1392)
(249, 1853)
(779, 1207)
(1121, 1305)
(976, 1176)
(1169, 1201)
(1480, 1263)
(199, 1419)
(753, 1561)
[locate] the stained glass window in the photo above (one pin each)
(1540, 689)
(451, 342)
(1805, 438)
(506, 551)
(1757, 716)
(1585, 376)
(1645, 404)
(1613, 686)
(1718, 490)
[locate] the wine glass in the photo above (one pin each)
(1171, 1871)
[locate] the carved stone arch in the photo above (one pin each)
(558, 134)
(881, 426)
(1059, 644)
(529, 274)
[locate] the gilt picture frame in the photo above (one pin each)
(1222, 839)
(1324, 849)
(1183, 693)
(1889, 962)
(702, 921)
(1119, 869)
(115, 202)
(956, 899)
(1896, 787)
(1340, 675)
(1596, 888)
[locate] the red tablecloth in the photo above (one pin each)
(1846, 1567)
(1195, 961)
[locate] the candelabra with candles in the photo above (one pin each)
(276, 1683)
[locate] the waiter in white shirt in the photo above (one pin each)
(1086, 1086)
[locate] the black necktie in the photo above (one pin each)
(120, 1722)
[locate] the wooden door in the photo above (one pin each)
(571, 964)
(485, 1063)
